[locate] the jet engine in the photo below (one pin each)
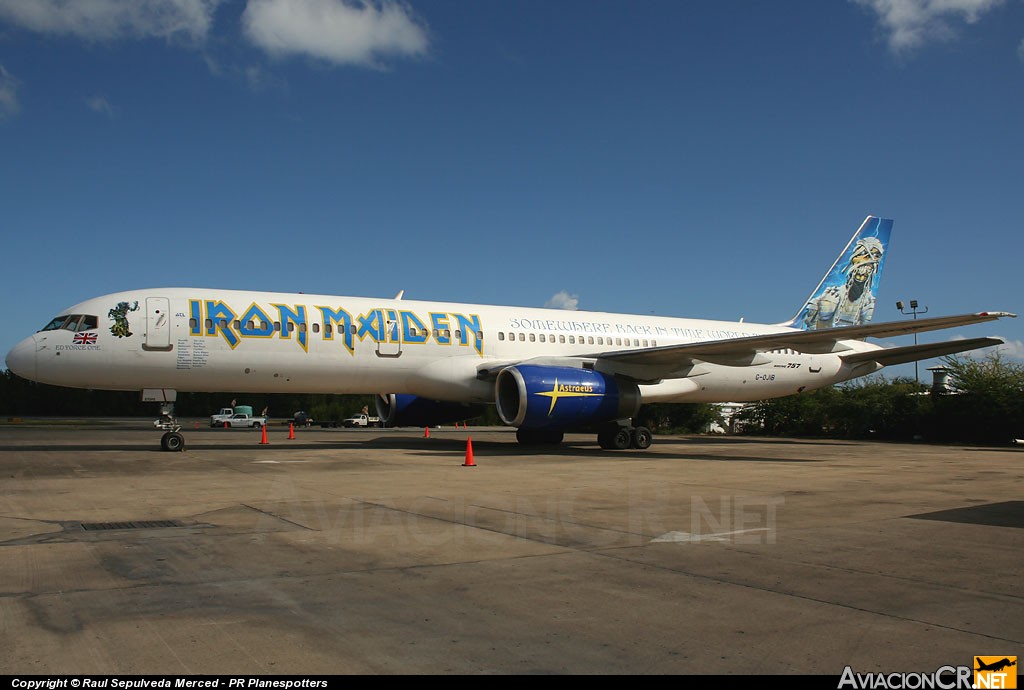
(546, 397)
(411, 410)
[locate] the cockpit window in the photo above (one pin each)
(73, 322)
(55, 324)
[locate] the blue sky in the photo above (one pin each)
(705, 159)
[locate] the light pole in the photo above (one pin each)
(915, 311)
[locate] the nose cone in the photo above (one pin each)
(22, 359)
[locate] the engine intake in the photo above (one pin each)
(540, 397)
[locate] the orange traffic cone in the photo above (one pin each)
(225, 425)
(291, 430)
(426, 432)
(263, 441)
(197, 425)
(469, 453)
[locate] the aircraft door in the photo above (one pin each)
(158, 324)
(391, 344)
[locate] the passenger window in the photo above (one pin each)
(590, 340)
(600, 340)
(352, 329)
(542, 337)
(303, 327)
(209, 324)
(533, 338)
(192, 324)
(458, 335)
(561, 339)
(522, 337)
(480, 336)
(250, 325)
(501, 335)
(316, 328)
(277, 325)
(572, 340)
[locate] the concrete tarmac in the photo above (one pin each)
(378, 552)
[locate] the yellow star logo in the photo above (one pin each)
(565, 392)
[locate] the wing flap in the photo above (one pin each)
(913, 353)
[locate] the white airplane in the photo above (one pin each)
(547, 370)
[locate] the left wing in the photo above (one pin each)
(654, 363)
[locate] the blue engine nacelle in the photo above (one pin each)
(539, 397)
(410, 410)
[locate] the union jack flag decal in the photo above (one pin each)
(85, 339)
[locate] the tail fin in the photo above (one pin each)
(846, 295)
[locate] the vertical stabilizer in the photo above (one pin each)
(846, 295)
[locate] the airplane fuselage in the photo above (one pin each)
(190, 339)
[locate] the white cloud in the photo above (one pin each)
(563, 300)
(1009, 348)
(100, 105)
(338, 31)
(8, 94)
(909, 24)
(101, 20)
(1012, 348)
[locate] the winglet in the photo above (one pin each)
(846, 295)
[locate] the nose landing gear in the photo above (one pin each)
(172, 441)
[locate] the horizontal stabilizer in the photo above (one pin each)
(914, 353)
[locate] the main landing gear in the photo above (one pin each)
(172, 440)
(620, 436)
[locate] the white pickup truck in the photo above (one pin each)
(227, 413)
(241, 419)
(361, 420)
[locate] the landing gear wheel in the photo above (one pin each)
(621, 439)
(614, 438)
(172, 441)
(642, 438)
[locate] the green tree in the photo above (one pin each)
(986, 404)
(678, 418)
